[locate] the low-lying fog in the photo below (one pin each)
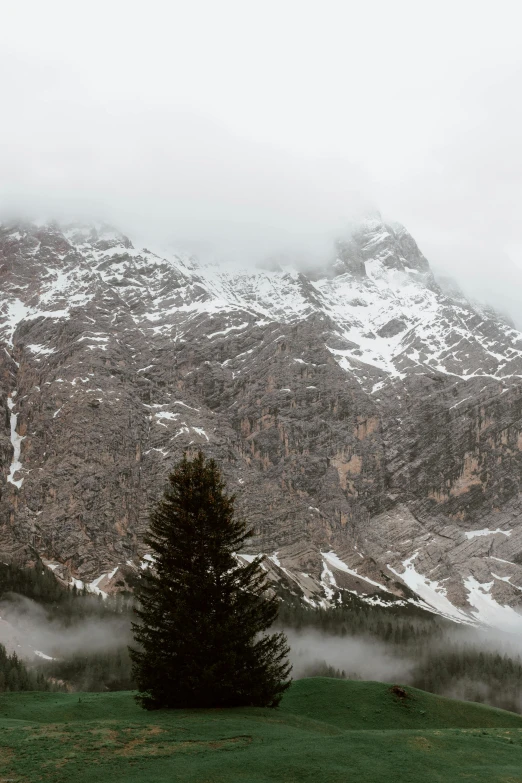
(463, 662)
(26, 627)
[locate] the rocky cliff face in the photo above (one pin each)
(369, 421)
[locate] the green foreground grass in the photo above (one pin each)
(325, 731)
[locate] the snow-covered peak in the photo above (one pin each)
(99, 235)
(385, 315)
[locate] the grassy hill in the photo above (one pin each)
(326, 731)
(350, 704)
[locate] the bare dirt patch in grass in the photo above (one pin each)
(129, 742)
(141, 746)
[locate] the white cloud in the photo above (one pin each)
(255, 127)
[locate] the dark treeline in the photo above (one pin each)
(395, 624)
(109, 671)
(63, 603)
(16, 676)
(468, 672)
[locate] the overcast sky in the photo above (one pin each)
(254, 127)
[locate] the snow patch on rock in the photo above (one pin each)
(16, 441)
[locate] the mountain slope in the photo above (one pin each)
(357, 409)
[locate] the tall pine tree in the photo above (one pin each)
(203, 617)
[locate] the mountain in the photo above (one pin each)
(368, 418)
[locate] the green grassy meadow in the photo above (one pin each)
(325, 731)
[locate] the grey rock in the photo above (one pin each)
(365, 411)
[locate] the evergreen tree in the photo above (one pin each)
(202, 616)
